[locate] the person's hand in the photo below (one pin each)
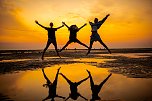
(63, 22)
(108, 14)
(88, 71)
(59, 68)
(36, 22)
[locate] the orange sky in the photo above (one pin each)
(128, 26)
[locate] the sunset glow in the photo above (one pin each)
(129, 23)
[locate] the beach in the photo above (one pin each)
(20, 73)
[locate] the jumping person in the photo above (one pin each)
(73, 35)
(96, 88)
(51, 37)
(73, 87)
(95, 36)
(52, 86)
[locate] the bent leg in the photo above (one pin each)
(56, 78)
(101, 42)
(82, 43)
(66, 45)
(47, 45)
(89, 49)
(55, 45)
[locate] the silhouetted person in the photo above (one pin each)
(52, 87)
(73, 88)
(73, 35)
(96, 88)
(95, 36)
(51, 37)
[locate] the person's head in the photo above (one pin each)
(95, 20)
(73, 27)
(51, 24)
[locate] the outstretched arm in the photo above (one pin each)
(48, 81)
(65, 25)
(104, 19)
(60, 27)
(66, 78)
(102, 83)
(60, 96)
(83, 97)
(40, 24)
(82, 26)
(78, 83)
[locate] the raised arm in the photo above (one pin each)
(82, 80)
(65, 25)
(104, 19)
(47, 80)
(104, 81)
(83, 97)
(82, 26)
(66, 78)
(60, 27)
(40, 24)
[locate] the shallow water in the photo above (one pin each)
(27, 85)
(129, 55)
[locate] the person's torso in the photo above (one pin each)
(51, 33)
(73, 34)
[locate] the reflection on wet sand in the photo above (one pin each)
(96, 88)
(117, 88)
(52, 87)
(74, 88)
(129, 55)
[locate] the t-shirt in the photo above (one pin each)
(73, 34)
(51, 32)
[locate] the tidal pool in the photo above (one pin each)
(28, 85)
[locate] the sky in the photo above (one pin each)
(128, 26)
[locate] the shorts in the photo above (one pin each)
(74, 40)
(51, 40)
(95, 37)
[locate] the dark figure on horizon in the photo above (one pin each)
(73, 88)
(73, 35)
(51, 37)
(96, 88)
(52, 87)
(95, 36)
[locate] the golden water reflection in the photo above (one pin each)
(27, 86)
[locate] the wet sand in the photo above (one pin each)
(134, 63)
(21, 74)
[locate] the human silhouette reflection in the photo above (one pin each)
(52, 87)
(96, 88)
(73, 88)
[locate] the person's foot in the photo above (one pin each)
(42, 58)
(87, 54)
(60, 50)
